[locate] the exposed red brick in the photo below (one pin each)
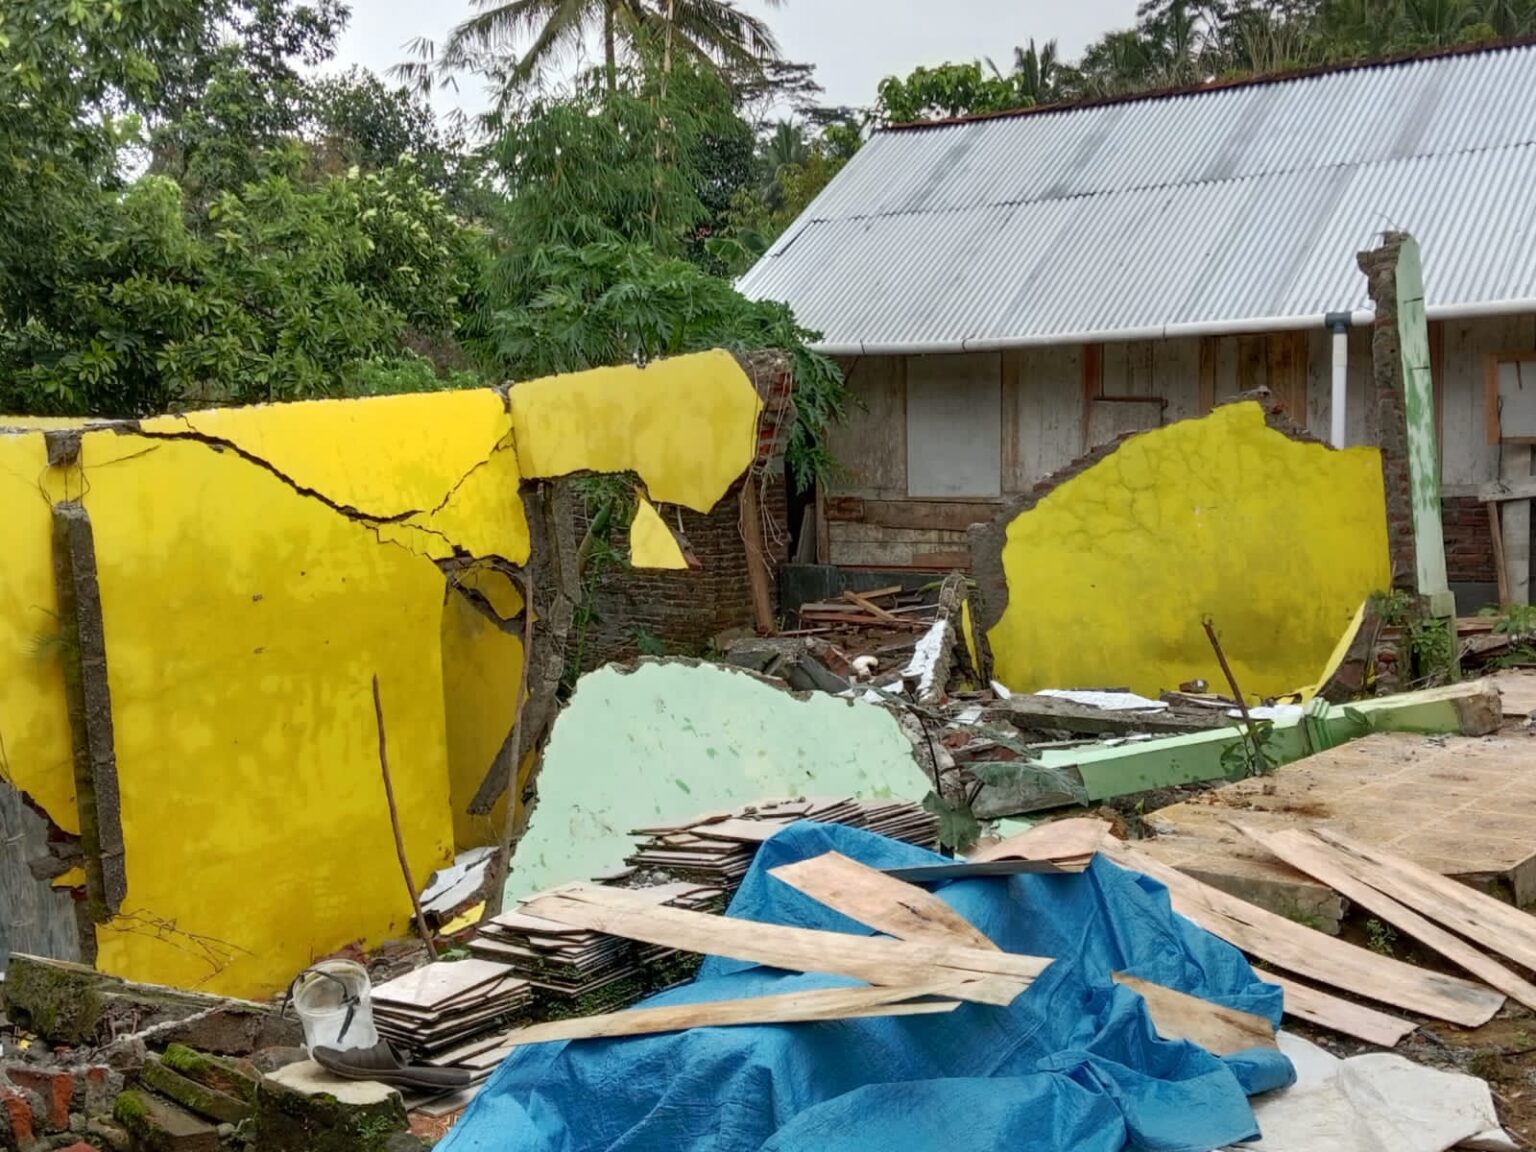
(56, 1089)
(82, 1146)
(1468, 541)
(18, 1118)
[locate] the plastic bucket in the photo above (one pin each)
(335, 1007)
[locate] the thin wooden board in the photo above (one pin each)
(1299, 949)
(879, 901)
(741, 831)
(440, 982)
(1218, 1029)
(1069, 844)
(789, 1008)
(888, 962)
(1343, 1016)
(1338, 870)
(909, 913)
(1492, 923)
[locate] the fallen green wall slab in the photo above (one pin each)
(1106, 771)
(670, 740)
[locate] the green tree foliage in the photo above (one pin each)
(604, 245)
(281, 291)
(947, 91)
(224, 274)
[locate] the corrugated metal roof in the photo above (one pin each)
(1235, 208)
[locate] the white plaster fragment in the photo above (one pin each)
(925, 657)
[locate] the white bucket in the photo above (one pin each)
(335, 1007)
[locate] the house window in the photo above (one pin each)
(954, 426)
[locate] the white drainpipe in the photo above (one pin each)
(1338, 323)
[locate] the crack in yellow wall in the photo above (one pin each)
(257, 567)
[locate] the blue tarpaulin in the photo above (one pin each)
(1072, 1064)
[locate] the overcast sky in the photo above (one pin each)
(853, 43)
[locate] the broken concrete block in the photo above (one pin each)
(207, 1102)
(157, 1125)
(72, 1004)
(226, 1077)
(303, 1108)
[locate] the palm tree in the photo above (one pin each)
(1435, 23)
(713, 31)
(1035, 70)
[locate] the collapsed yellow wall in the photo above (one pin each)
(257, 567)
(244, 623)
(686, 426)
(482, 665)
(1110, 575)
(35, 748)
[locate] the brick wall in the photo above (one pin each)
(1380, 268)
(685, 610)
(1468, 541)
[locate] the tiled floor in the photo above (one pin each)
(1463, 806)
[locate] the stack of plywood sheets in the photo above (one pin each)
(718, 849)
(446, 1004)
(576, 971)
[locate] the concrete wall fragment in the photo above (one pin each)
(669, 740)
(1104, 579)
(255, 569)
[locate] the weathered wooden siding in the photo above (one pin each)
(1059, 402)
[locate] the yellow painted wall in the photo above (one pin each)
(1110, 575)
(482, 665)
(257, 567)
(35, 751)
(685, 425)
(244, 622)
(651, 542)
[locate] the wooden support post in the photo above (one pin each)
(757, 558)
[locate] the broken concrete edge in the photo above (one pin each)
(302, 1108)
(989, 599)
(73, 1004)
(1125, 768)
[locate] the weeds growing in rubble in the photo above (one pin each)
(1431, 642)
(1380, 937)
(1518, 623)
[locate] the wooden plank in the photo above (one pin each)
(1492, 427)
(1501, 490)
(788, 1008)
(1496, 537)
(1335, 869)
(910, 913)
(1093, 387)
(890, 962)
(854, 598)
(441, 982)
(1497, 926)
(913, 515)
(823, 537)
(1218, 1029)
(1515, 465)
(1072, 841)
(879, 901)
(1342, 1016)
(1299, 949)
(757, 557)
(1252, 362)
(818, 617)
